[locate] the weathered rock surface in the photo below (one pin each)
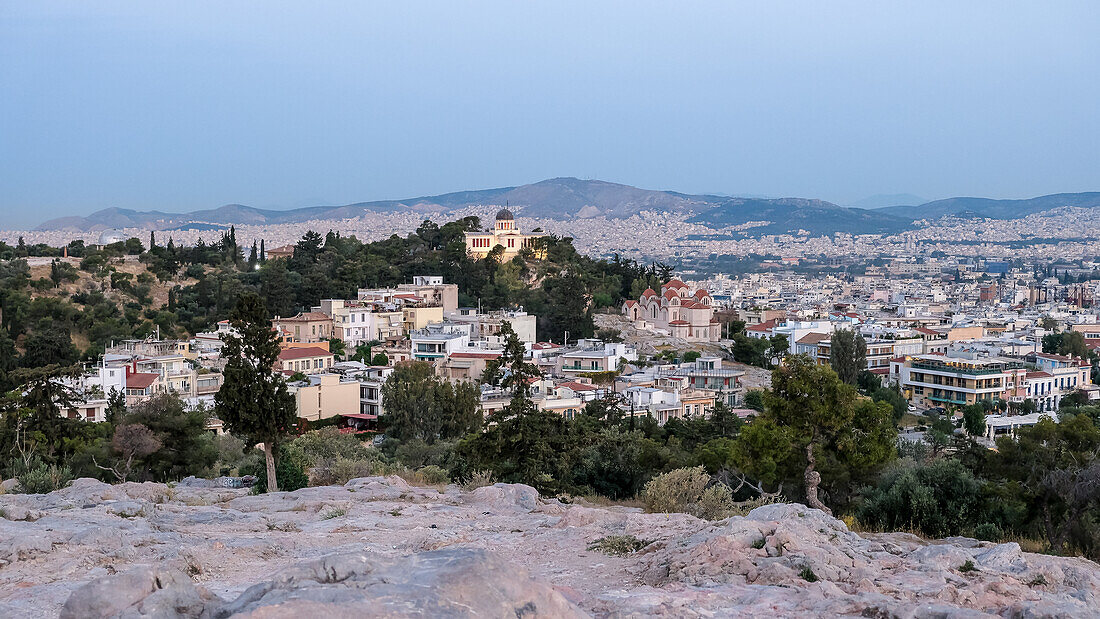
(378, 547)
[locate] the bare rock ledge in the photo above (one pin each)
(378, 547)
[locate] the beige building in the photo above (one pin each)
(305, 328)
(304, 359)
(433, 291)
(504, 233)
(326, 396)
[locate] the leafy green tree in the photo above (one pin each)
(848, 354)
(939, 435)
(380, 359)
(9, 360)
(810, 415)
(723, 420)
(1056, 468)
(336, 347)
(938, 499)
(49, 344)
(185, 447)
(974, 419)
(275, 288)
(421, 405)
(751, 350)
(1073, 344)
(754, 399)
(253, 401)
(526, 444)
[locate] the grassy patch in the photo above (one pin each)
(619, 545)
(807, 574)
(758, 544)
(335, 512)
(968, 567)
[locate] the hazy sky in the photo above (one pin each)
(186, 105)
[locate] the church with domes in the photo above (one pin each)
(677, 310)
(504, 233)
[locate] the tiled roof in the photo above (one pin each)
(141, 380)
(304, 352)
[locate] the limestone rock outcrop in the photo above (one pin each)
(381, 547)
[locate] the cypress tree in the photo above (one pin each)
(253, 401)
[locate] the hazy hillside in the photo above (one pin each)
(792, 214)
(995, 209)
(569, 198)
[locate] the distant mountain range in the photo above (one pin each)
(571, 198)
(889, 199)
(994, 209)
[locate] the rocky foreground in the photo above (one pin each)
(378, 547)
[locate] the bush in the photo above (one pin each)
(478, 479)
(433, 475)
(289, 466)
(329, 443)
(40, 478)
(342, 470)
(989, 532)
(938, 499)
(686, 491)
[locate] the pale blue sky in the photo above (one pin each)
(187, 105)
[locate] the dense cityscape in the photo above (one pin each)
(549, 310)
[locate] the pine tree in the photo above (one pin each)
(152, 240)
(252, 257)
(263, 252)
(253, 401)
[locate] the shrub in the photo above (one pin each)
(968, 566)
(940, 498)
(342, 470)
(478, 479)
(807, 574)
(989, 532)
(686, 490)
(41, 478)
(433, 475)
(675, 490)
(619, 545)
(289, 466)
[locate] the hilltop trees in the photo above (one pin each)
(254, 401)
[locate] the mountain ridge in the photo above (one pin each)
(573, 198)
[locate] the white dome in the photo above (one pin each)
(111, 236)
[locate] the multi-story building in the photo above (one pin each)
(594, 356)
(304, 359)
(936, 380)
(432, 290)
(487, 326)
(321, 396)
(357, 322)
(305, 328)
(505, 233)
(438, 341)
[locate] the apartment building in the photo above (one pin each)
(322, 396)
(304, 359)
(305, 328)
(438, 341)
(487, 326)
(591, 355)
(935, 380)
